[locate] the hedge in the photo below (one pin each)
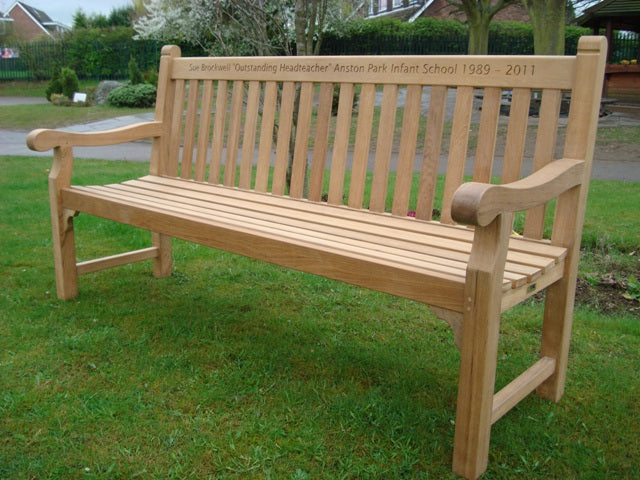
(429, 36)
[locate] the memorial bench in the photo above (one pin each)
(250, 155)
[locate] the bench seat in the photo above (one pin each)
(420, 260)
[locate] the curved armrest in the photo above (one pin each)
(479, 203)
(44, 139)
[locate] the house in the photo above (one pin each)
(410, 10)
(29, 23)
(6, 26)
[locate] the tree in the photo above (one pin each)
(80, 20)
(243, 27)
(548, 18)
(119, 17)
(479, 14)
(220, 27)
(310, 22)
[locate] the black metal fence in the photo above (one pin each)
(35, 61)
(625, 46)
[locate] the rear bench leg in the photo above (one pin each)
(163, 262)
(559, 297)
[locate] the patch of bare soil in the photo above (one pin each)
(606, 296)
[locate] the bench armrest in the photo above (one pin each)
(42, 140)
(480, 203)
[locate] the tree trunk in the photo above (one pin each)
(479, 14)
(548, 18)
(479, 34)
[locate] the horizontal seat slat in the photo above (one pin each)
(264, 227)
(442, 251)
(398, 224)
(526, 252)
(323, 258)
(355, 232)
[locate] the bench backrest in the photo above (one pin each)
(373, 132)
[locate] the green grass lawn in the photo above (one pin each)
(47, 115)
(236, 369)
(23, 88)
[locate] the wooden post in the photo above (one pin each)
(569, 218)
(64, 250)
(478, 354)
(159, 165)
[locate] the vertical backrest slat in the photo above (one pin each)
(384, 146)
(176, 128)
(266, 135)
(277, 122)
(284, 137)
(303, 130)
(217, 139)
(407, 153)
(431, 152)
(203, 131)
(543, 154)
(190, 129)
(457, 149)
(341, 144)
(362, 145)
(233, 132)
(321, 142)
(487, 134)
(249, 137)
(516, 135)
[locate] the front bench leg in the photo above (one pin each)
(478, 355)
(64, 249)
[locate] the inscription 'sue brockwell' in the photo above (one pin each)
(460, 68)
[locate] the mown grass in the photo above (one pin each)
(236, 369)
(47, 115)
(22, 88)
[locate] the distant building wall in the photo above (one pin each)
(24, 27)
(443, 9)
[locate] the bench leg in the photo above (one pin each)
(478, 355)
(163, 263)
(64, 246)
(64, 254)
(556, 335)
(559, 298)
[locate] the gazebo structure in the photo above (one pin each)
(621, 81)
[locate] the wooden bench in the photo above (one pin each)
(314, 162)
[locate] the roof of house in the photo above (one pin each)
(624, 15)
(38, 15)
(44, 21)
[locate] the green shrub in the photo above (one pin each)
(55, 85)
(141, 95)
(135, 75)
(69, 81)
(151, 77)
